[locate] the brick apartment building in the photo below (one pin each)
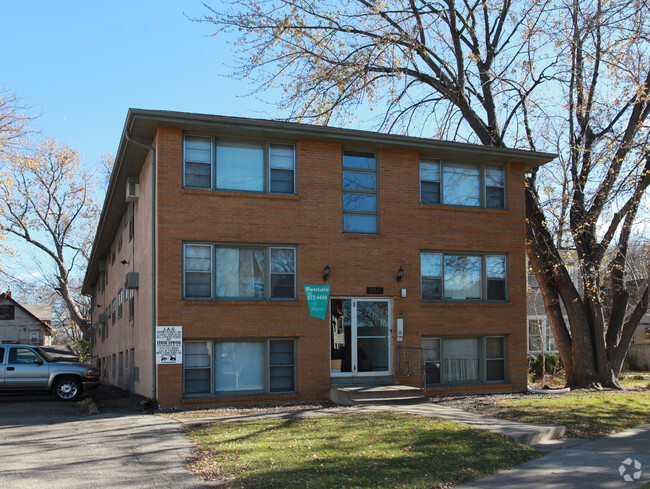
(214, 225)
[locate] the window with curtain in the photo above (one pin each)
(214, 164)
(246, 272)
(238, 367)
(459, 277)
(464, 360)
(239, 272)
(460, 359)
(462, 184)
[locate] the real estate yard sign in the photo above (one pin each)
(169, 344)
(317, 298)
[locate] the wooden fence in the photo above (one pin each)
(640, 356)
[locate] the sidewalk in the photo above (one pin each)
(580, 464)
(525, 433)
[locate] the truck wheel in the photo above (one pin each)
(67, 388)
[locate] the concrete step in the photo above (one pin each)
(392, 401)
(376, 394)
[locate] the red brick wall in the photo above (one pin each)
(312, 220)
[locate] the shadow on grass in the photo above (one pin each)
(361, 450)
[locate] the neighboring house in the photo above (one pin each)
(642, 334)
(214, 225)
(24, 323)
(540, 335)
(539, 331)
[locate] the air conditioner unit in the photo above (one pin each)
(132, 280)
(132, 189)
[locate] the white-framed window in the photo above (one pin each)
(120, 303)
(34, 337)
(130, 293)
(224, 271)
(463, 277)
(540, 335)
(360, 206)
(282, 168)
(462, 184)
(216, 164)
(465, 360)
(131, 220)
(238, 367)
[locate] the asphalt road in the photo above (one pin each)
(45, 443)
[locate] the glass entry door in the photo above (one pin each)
(360, 336)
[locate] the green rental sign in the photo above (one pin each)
(317, 298)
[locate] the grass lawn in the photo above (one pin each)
(586, 414)
(366, 450)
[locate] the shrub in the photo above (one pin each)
(82, 349)
(553, 365)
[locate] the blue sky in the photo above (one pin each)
(82, 64)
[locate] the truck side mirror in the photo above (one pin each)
(38, 361)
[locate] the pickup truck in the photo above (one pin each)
(30, 368)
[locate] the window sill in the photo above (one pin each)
(240, 194)
(361, 235)
(237, 394)
(451, 385)
(462, 209)
(465, 303)
(240, 302)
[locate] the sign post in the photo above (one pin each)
(317, 299)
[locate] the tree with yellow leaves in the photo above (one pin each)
(46, 201)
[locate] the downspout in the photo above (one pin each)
(153, 257)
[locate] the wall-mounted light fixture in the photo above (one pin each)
(326, 273)
(124, 262)
(400, 274)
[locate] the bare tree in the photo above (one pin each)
(557, 74)
(15, 122)
(47, 203)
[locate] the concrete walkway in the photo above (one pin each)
(581, 464)
(520, 432)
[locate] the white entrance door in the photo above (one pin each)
(360, 337)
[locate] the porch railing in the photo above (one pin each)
(410, 363)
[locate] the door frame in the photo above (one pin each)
(353, 327)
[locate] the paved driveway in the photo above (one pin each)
(51, 444)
